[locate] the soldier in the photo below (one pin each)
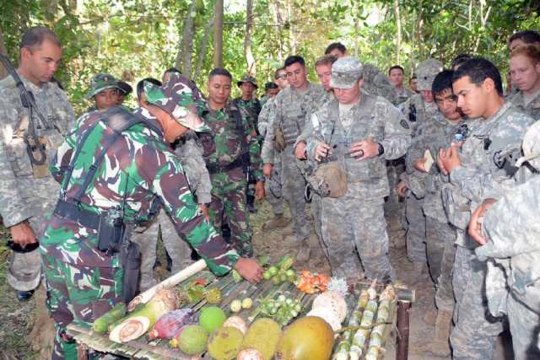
(170, 71)
(104, 90)
(413, 84)
(522, 38)
(513, 245)
(114, 167)
(353, 136)
(288, 114)
(525, 74)
(337, 49)
(273, 184)
(418, 109)
(190, 154)
(396, 74)
(270, 91)
(483, 166)
(433, 135)
(28, 189)
(232, 160)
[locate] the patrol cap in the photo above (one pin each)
(249, 79)
(125, 88)
(426, 72)
(531, 147)
(102, 82)
(346, 71)
(181, 98)
(22, 273)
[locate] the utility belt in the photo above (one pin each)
(238, 162)
(112, 239)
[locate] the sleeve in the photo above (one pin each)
(263, 122)
(267, 151)
(315, 135)
(191, 156)
(168, 182)
(60, 163)
(397, 133)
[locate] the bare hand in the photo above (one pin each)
(23, 234)
(449, 159)
(419, 165)
(321, 151)
(259, 191)
(365, 149)
(249, 269)
(300, 151)
(440, 162)
(204, 210)
(267, 170)
(477, 218)
(401, 188)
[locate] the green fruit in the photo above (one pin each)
(307, 338)
(290, 273)
(211, 318)
(276, 280)
(273, 270)
(283, 277)
(192, 340)
(213, 295)
(267, 275)
(263, 335)
(236, 306)
(225, 343)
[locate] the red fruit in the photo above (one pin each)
(169, 325)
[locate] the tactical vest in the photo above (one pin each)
(365, 124)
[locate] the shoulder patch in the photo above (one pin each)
(404, 124)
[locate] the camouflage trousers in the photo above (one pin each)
(78, 295)
(441, 251)
(230, 207)
(476, 330)
(524, 327)
(178, 249)
(416, 229)
(393, 208)
(350, 223)
(294, 185)
(273, 189)
(316, 211)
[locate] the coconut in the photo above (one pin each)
(333, 301)
(327, 315)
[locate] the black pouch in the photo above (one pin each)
(130, 259)
(110, 235)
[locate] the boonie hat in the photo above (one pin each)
(125, 88)
(102, 82)
(249, 79)
(181, 98)
(346, 71)
(22, 273)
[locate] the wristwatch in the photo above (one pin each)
(381, 149)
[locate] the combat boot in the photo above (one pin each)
(279, 221)
(304, 251)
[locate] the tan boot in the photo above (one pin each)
(440, 345)
(304, 251)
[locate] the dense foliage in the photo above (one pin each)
(136, 38)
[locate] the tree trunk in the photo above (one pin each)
(418, 30)
(398, 31)
(278, 20)
(247, 42)
(183, 57)
(218, 34)
(204, 45)
(3, 71)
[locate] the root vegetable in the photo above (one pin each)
(168, 326)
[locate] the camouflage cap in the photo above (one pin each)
(247, 78)
(531, 147)
(181, 98)
(125, 88)
(102, 82)
(346, 71)
(426, 72)
(19, 276)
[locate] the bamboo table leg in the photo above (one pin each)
(402, 352)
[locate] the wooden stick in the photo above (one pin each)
(402, 352)
(177, 278)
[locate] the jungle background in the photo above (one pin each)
(133, 39)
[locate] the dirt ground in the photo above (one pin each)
(18, 319)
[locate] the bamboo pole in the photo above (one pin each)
(402, 352)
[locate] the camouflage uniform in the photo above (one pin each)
(273, 185)
(289, 110)
(440, 234)
(486, 172)
(138, 169)
(513, 246)
(532, 108)
(190, 155)
(417, 111)
(403, 95)
(26, 196)
(235, 141)
(356, 220)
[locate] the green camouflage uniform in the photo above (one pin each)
(23, 195)
(487, 171)
(532, 108)
(235, 140)
(139, 169)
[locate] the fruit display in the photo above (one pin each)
(281, 271)
(310, 317)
